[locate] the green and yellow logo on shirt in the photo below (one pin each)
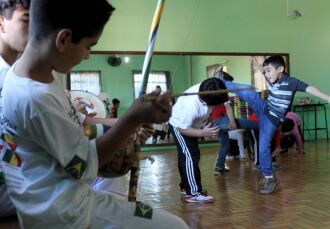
(10, 142)
(76, 167)
(12, 158)
(143, 210)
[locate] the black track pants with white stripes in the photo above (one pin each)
(188, 161)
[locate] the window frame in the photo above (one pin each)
(97, 72)
(167, 78)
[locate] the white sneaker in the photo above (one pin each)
(183, 192)
(230, 158)
(199, 198)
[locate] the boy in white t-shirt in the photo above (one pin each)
(47, 161)
(187, 124)
(14, 18)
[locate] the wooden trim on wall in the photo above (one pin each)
(191, 53)
(197, 54)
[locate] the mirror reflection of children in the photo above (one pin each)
(160, 132)
(290, 133)
(114, 109)
(161, 129)
(105, 99)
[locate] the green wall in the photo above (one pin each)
(228, 26)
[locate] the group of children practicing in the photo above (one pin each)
(189, 121)
(48, 165)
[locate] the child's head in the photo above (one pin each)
(14, 19)
(274, 68)
(213, 84)
(116, 102)
(287, 125)
(287, 141)
(8, 7)
(158, 89)
(67, 29)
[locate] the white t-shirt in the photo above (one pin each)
(189, 111)
(47, 161)
(6, 206)
(4, 67)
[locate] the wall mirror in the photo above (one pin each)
(120, 71)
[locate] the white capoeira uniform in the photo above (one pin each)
(49, 165)
(7, 208)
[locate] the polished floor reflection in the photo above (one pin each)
(302, 199)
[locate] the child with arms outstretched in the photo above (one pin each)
(271, 112)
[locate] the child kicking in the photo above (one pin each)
(271, 112)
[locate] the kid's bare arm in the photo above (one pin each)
(96, 120)
(316, 92)
(230, 115)
(207, 131)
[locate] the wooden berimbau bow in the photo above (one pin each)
(134, 176)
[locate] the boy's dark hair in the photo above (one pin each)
(84, 18)
(115, 101)
(213, 84)
(7, 7)
(287, 125)
(276, 61)
(287, 141)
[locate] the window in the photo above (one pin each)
(85, 81)
(161, 78)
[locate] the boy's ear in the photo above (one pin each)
(2, 26)
(63, 38)
(281, 69)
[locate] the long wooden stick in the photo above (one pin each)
(221, 91)
(134, 177)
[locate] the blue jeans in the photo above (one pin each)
(243, 123)
(266, 127)
(223, 137)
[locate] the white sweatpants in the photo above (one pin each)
(113, 213)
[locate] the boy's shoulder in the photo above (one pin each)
(288, 80)
(4, 67)
(3, 63)
(289, 83)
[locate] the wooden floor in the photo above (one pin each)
(302, 200)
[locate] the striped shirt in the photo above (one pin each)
(280, 97)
